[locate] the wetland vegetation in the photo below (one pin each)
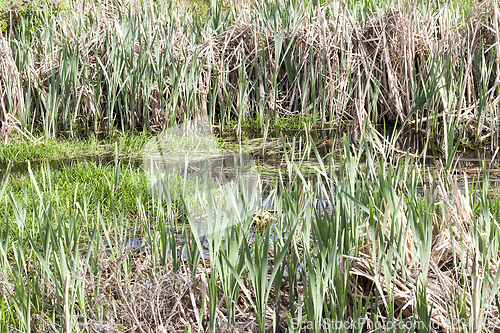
(362, 213)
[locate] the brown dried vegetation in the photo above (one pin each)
(320, 60)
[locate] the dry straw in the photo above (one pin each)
(432, 64)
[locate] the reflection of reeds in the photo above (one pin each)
(105, 67)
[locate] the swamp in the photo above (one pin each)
(249, 166)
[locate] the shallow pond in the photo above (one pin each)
(269, 155)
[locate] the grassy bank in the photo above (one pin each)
(95, 67)
(41, 149)
(372, 242)
(92, 182)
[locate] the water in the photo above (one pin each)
(269, 154)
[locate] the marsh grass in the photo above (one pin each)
(367, 242)
(429, 66)
(375, 235)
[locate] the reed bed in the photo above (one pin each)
(378, 240)
(99, 67)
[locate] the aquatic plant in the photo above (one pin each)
(428, 66)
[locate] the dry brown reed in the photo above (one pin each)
(154, 299)
(329, 63)
(454, 256)
(11, 105)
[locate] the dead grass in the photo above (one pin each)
(455, 269)
(354, 66)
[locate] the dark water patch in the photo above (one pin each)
(58, 164)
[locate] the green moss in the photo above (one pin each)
(94, 184)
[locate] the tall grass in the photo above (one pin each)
(104, 66)
(374, 240)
